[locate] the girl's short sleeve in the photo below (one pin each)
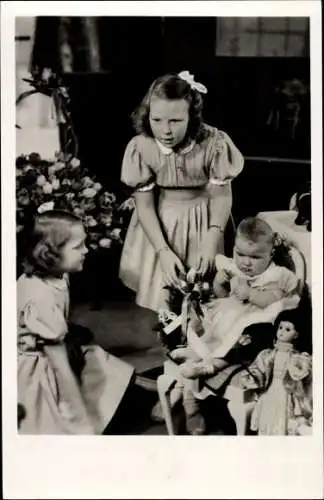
(225, 160)
(44, 318)
(135, 171)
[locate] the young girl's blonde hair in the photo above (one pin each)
(44, 241)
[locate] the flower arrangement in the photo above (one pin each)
(62, 183)
(184, 303)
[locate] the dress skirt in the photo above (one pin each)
(49, 410)
(185, 224)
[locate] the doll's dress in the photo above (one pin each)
(42, 308)
(284, 401)
(149, 165)
(226, 318)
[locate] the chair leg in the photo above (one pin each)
(163, 387)
(241, 413)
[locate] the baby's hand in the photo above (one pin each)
(242, 291)
(222, 277)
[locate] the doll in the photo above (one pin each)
(283, 376)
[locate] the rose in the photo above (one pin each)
(115, 233)
(47, 188)
(107, 198)
(89, 192)
(88, 204)
(55, 183)
(66, 182)
(105, 242)
(41, 180)
(97, 186)
(69, 196)
(78, 212)
(87, 181)
(89, 221)
(75, 162)
(76, 186)
(51, 170)
(106, 219)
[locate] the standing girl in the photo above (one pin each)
(66, 385)
(189, 165)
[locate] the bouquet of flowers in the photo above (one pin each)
(61, 183)
(184, 304)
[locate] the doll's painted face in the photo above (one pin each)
(252, 258)
(286, 331)
(169, 120)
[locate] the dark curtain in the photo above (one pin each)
(67, 44)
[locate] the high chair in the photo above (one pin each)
(240, 401)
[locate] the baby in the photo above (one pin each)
(250, 289)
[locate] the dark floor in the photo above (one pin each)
(139, 402)
(126, 330)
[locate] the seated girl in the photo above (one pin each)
(250, 289)
(66, 384)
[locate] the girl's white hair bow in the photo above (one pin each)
(187, 77)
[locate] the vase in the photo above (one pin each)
(37, 129)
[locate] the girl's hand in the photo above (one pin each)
(170, 263)
(206, 256)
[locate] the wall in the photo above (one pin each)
(136, 50)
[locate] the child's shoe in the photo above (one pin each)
(175, 396)
(196, 425)
(195, 422)
(157, 413)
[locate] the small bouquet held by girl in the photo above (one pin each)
(66, 383)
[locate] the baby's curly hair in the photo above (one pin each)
(170, 86)
(44, 240)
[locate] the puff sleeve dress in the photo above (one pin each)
(87, 407)
(148, 164)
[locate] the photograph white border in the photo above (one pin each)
(156, 466)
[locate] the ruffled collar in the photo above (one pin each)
(167, 151)
(284, 346)
(227, 263)
(58, 283)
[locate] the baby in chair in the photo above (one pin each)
(250, 289)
